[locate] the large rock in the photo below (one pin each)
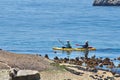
(106, 3)
(24, 75)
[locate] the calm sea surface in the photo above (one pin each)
(34, 27)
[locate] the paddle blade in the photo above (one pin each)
(77, 44)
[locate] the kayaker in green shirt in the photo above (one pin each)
(68, 45)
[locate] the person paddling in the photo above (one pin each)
(86, 45)
(68, 45)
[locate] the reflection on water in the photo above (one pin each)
(68, 53)
(86, 53)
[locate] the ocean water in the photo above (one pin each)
(34, 27)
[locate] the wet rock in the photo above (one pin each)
(77, 58)
(56, 58)
(100, 65)
(106, 61)
(119, 65)
(66, 60)
(118, 58)
(110, 78)
(117, 75)
(46, 56)
(106, 3)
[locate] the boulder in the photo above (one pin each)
(24, 75)
(117, 75)
(106, 3)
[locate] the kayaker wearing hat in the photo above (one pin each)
(86, 45)
(68, 45)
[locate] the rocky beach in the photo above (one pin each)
(57, 69)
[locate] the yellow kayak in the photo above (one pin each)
(74, 49)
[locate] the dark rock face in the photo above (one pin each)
(106, 3)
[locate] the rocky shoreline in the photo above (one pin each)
(19, 67)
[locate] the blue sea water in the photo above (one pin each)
(34, 27)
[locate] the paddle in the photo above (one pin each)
(82, 45)
(61, 42)
(78, 45)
